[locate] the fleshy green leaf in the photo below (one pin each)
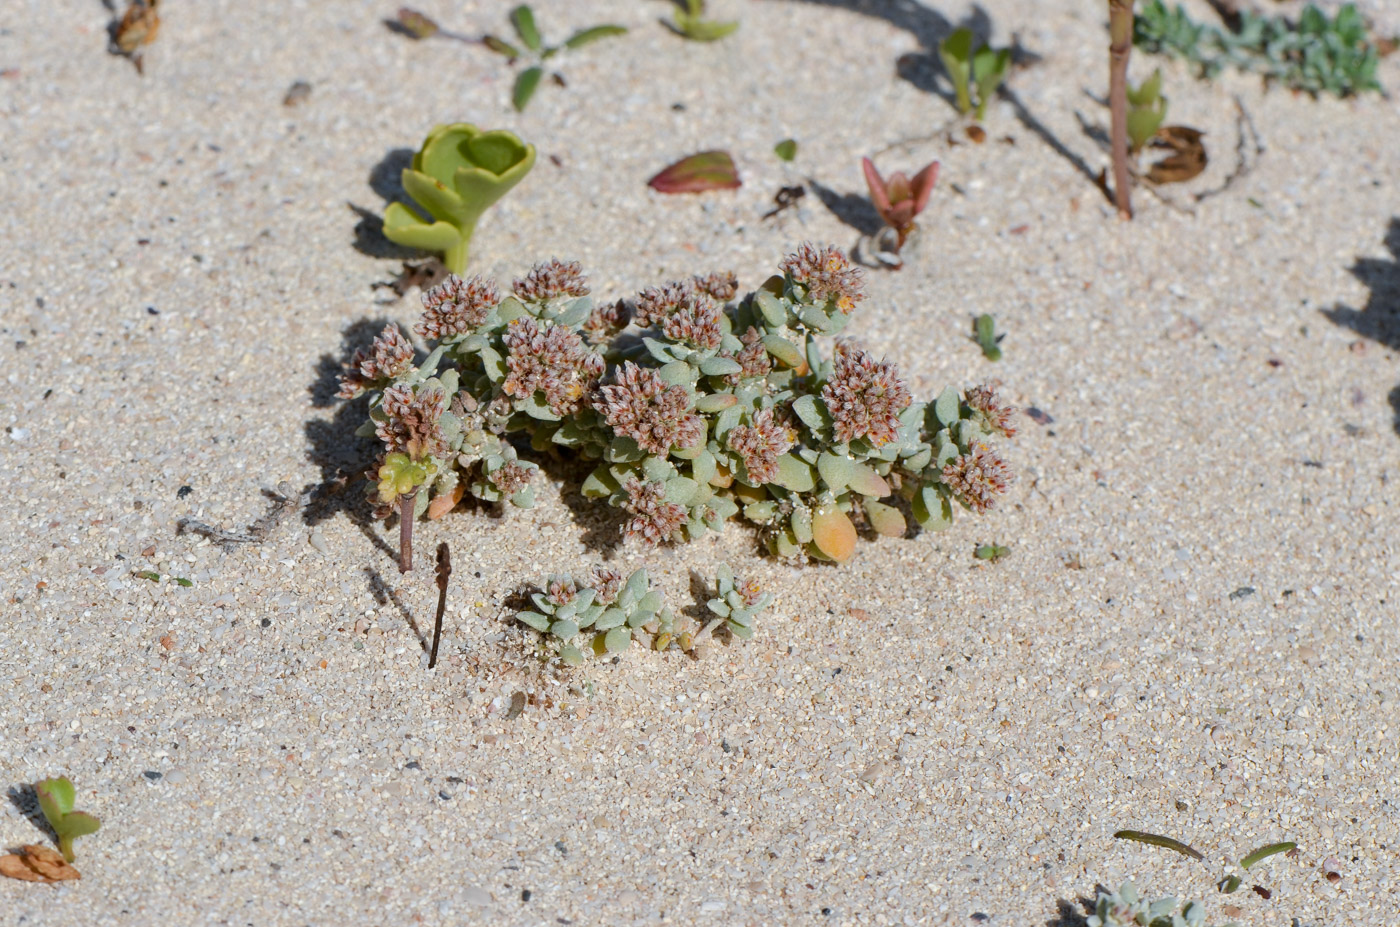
(523, 19)
(593, 34)
(1265, 852)
(526, 82)
(1157, 840)
(786, 150)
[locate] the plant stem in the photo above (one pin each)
(1120, 33)
(444, 572)
(406, 532)
(455, 258)
(65, 846)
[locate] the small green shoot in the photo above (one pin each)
(1147, 108)
(1158, 840)
(1265, 852)
(691, 23)
(985, 334)
(522, 19)
(154, 577)
(970, 66)
(989, 69)
(991, 552)
(786, 150)
(56, 798)
(1230, 884)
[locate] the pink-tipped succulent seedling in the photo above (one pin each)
(900, 199)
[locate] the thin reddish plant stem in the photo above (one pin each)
(1120, 32)
(406, 533)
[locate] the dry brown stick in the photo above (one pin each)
(444, 573)
(1120, 33)
(406, 533)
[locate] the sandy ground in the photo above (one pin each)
(1195, 633)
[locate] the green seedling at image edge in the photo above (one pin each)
(691, 22)
(522, 18)
(983, 68)
(459, 173)
(56, 798)
(1147, 108)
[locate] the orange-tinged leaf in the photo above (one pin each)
(834, 534)
(443, 504)
(708, 170)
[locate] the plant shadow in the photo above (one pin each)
(333, 447)
(26, 800)
(1073, 913)
(385, 180)
(384, 594)
(1380, 320)
(853, 209)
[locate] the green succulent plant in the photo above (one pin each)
(1126, 908)
(737, 602)
(458, 173)
(970, 66)
(1147, 108)
(692, 404)
(691, 23)
(56, 797)
(608, 612)
(1317, 54)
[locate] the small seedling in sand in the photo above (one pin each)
(693, 406)
(900, 199)
(458, 173)
(56, 798)
(786, 150)
(691, 22)
(417, 25)
(1146, 110)
(522, 18)
(991, 552)
(1317, 54)
(984, 332)
(737, 602)
(154, 577)
(973, 67)
(1125, 908)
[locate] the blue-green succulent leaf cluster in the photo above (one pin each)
(1126, 908)
(1317, 54)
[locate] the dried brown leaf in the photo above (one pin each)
(34, 863)
(1187, 160)
(138, 26)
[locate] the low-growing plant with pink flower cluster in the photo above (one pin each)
(696, 406)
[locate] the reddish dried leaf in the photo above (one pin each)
(708, 170)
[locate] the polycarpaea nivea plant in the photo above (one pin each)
(694, 406)
(1125, 908)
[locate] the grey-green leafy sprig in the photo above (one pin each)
(598, 617)
(522, 19)
(1126, 908)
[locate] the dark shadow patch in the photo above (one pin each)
(1072, 914)
(1380, 319)
(385, 179)
(26, 801)
(384, 594)
(853, 209)
(371, 241)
